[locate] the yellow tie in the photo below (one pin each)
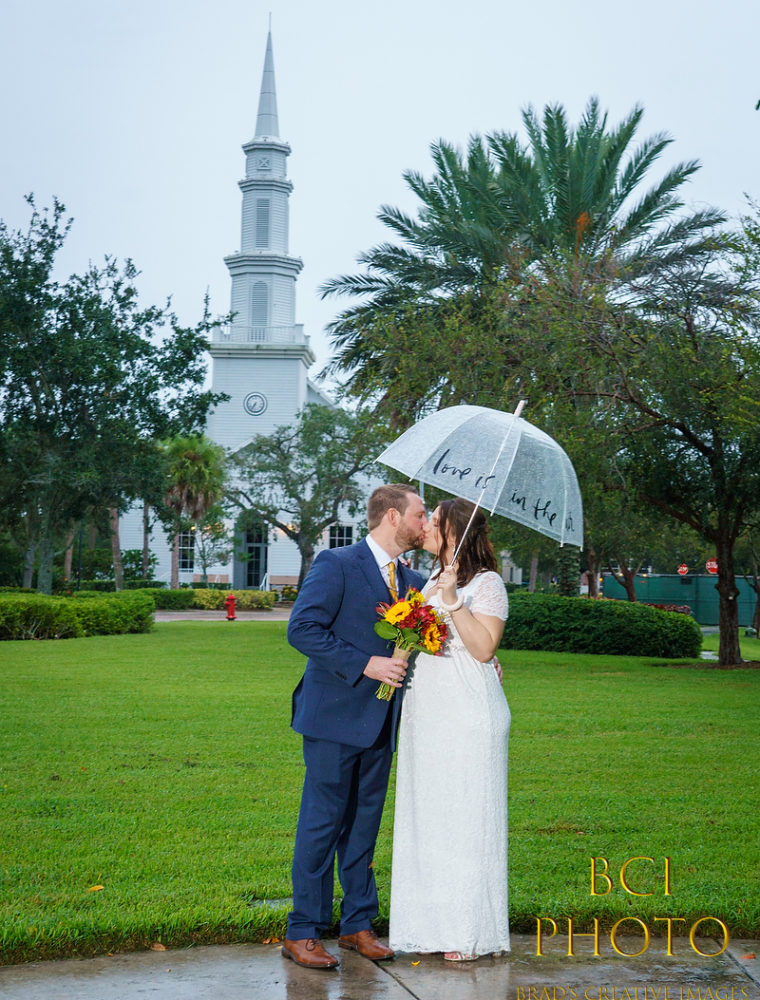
(392, 580)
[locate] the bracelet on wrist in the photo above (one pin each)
(455, 606)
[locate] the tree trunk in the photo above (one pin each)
(729, 651)
(174, 582)
(146, 540)
(46, 552)
(68, 555)
(593, 569)
(629, 581)
(29, 559)
(755, 584)
(30, 556)
(307, 558)
(568, 571)
(533, 575)
(118, 567)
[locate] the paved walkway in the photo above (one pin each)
(277, 614)
(259, 972)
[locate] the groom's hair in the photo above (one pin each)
(394, 495)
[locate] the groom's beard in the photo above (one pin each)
(407, 539)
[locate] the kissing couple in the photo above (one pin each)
(449, 712)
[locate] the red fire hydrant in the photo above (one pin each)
(230, 605)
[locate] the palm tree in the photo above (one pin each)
(195, 476)
(566, 203)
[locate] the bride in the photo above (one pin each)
(449, 879)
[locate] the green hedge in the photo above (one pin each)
(209, 600)
(129, 611)
(578, 625)
(170, 600)
(246, 600)
(68, 587)
(35, 616)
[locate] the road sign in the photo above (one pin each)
(683, 569)
(711, 565)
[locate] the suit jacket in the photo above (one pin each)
(332, 623)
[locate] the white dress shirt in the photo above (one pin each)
(382, 559)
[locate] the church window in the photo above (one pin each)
(186, 550)
(259, 303)
(340, 535)
(262, 222)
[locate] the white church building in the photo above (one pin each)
(261, 361)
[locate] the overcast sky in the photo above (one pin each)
(133, 113)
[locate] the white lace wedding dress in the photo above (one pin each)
(449, 879)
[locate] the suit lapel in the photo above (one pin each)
(371, 571)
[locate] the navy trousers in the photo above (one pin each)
(341, 807)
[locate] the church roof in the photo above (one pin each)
(266, 119)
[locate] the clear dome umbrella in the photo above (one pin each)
(498, 461)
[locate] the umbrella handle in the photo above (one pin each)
(518, 411)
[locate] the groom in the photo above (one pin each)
(348, 733)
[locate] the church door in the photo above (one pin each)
(251, 564)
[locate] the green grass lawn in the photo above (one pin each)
(162, 768)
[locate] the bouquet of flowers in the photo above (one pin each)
(413, 626)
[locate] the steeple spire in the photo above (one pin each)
(266, 120)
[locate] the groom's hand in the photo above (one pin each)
(497, 668)
(387, 669)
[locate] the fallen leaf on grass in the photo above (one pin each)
(271, 940)
(157, 946)
(751, 955)
(415, 963)
(96, 888)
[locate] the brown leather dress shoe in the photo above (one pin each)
(310, 953)
(367, 944)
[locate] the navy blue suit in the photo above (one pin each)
(348, 737)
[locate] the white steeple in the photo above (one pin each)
(266, 120)
(261, 360)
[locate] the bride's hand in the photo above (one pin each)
(447, 585)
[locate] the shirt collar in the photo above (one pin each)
(381, 556)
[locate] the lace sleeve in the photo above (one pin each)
(489, 596)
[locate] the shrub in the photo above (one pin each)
(209, 599)
(288, 593)
(250, 599)
(36, 616)
(69, 587)
(577, 625)
(170, 600)
(213, 600)
(682, 609)
(115, 615)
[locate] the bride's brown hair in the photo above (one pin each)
(477, 553)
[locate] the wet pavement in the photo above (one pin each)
(259, 972)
